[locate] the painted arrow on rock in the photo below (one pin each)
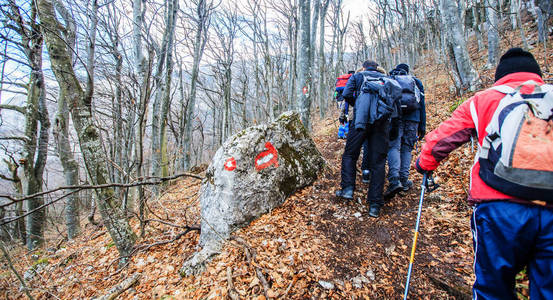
(267, 158)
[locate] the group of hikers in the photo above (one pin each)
(389, 115)
(511, 189)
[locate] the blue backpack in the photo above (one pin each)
(343, 131)
(410, 93)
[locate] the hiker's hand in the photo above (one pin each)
(421, 170)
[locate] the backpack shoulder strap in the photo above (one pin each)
(504, 89)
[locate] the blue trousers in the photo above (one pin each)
(376, 138)
(506, 237)
(399, 154)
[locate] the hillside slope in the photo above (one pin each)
(312, 242)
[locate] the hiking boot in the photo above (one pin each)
(366, 176)
(407, 184)
(374, 210)
(394, 186)
(346, 193)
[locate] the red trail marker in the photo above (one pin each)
(230, 164)
(267, 158)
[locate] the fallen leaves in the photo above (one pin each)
(313, 237)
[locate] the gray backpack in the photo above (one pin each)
(410, 93)
(516, 157)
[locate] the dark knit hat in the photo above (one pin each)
(516, 60)
(404, 67)
(370, 64)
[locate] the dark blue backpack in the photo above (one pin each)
(410, 93)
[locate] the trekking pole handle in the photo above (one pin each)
(429, 182)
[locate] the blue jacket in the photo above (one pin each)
(364, 113)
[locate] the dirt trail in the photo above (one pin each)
(313, 246)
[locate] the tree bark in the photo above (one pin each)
(476, 26)
(322, 61)
(292, 63)
(37, 123)
(110, 208)
(173, 7)
(303, 91)
(61, 124)
(493, 35)
(69, 164)
(466, 71)
(203, 12)
(157, 114)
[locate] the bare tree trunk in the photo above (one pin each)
(313, 47)
(69, 164)
(159, 116)
(203, 12)
(322, 61)
(544, 10)
(467, 74)
(292, 63)
(61, 134)
(227, 109)
(181, 120)
(303, 97)
(89, 139)
(268, 69)
(143, 69)
(342, 26)
(476, 26)
(493, 35)
(35, 148)
(519, 23)
(513, 12)
(13, 167)
(173, 8)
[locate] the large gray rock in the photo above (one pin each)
(252, 173)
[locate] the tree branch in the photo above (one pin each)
(178, 236)
(2, 176)
(157, 180)
(250, 257)
(117, 290)
(8, 259)
(19, 109)
(76, 189)
(17, 138)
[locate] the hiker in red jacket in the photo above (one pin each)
(511, 189)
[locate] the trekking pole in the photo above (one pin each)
(427, 183)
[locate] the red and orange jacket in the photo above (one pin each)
(472, 118)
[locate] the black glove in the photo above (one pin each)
(343, 119)
(421, 133)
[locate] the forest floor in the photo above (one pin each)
(313, 246)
